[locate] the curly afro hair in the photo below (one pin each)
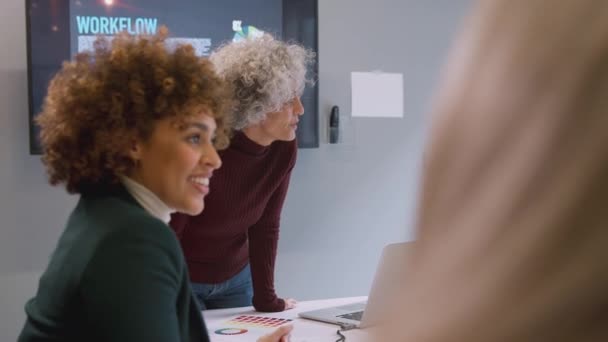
(97, 103)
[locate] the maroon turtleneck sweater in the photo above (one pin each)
(240, 223)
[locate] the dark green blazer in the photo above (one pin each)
(117, 274)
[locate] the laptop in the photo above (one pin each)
(385, 287)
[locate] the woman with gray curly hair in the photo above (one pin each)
(231, 248)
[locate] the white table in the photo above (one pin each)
(304, 330)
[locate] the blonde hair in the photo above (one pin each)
(513, 236)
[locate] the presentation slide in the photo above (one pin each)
(203, 23)
(57, 30)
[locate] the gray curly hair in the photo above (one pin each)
(265, 73)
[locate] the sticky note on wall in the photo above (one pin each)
(377, 94)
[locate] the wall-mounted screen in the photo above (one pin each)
(59, 29)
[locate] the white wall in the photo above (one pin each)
(345, 202)
(32, 213)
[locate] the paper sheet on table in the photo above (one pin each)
(302, 332)
(244, 328)
(377, 94)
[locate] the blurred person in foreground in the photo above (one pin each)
(513, 227)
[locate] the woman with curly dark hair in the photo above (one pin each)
(131, 127)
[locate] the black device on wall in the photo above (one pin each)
(334, 125)
(57, 30)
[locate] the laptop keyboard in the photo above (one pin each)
(355, 316)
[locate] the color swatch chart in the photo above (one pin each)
(248, 322)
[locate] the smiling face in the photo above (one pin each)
(280, 125)
(177, 161)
